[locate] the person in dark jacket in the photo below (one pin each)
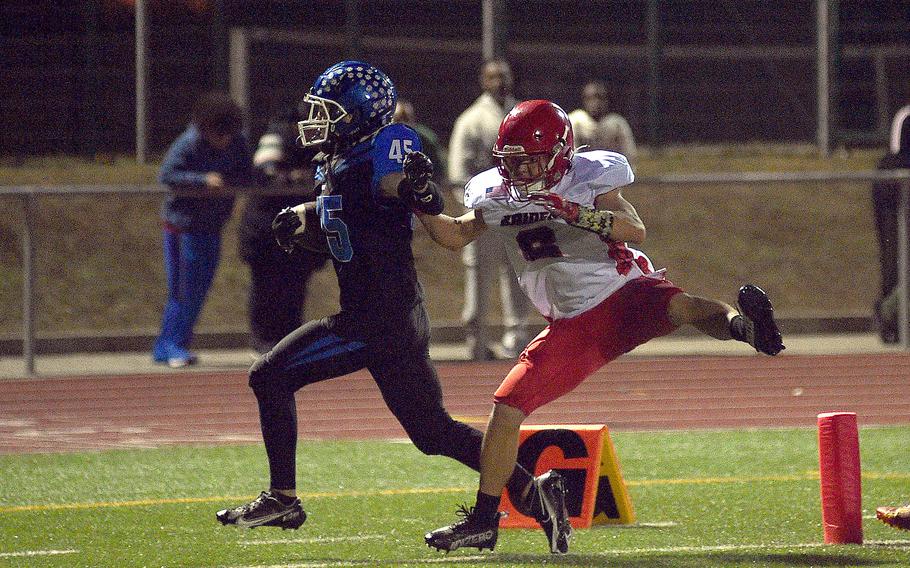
(886, 203)
(278, 281)
(211, 154)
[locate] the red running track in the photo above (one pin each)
(101, 412)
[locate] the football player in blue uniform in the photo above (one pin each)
(370, 178)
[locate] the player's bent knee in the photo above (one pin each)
(432, 438)
(263, 376)
(508, 414)
(428, 442)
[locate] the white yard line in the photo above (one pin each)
(654, 525)
(734, 547)
(317, 539)
(440, 560)
(808, 476)
(27, 553)
(605, 554)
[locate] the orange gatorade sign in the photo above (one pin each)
(584, 455)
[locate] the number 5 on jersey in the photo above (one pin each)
(328, 208)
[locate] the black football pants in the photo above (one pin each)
(336, 346)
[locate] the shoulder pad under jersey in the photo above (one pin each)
(482, 187)
(602, 168)
(389, 147)
(594, 173)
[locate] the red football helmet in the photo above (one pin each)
(534, 148)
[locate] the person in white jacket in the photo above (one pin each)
(597, 128)
(484, 259)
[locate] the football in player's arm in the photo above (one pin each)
(299, 225)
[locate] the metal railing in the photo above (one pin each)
(28, 193)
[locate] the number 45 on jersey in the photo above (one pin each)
(398, 149)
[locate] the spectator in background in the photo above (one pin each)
(598, 128)
(432, 147)
(278, 281)
(472, 137)
(211, 154)
(886, 202)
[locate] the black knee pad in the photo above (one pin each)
(432, 433)
(264, 377)
(431, 442)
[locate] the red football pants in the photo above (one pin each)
(569, 350)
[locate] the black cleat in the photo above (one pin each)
(761, 331)
(554, 519)
(467, 531)
(264, 511)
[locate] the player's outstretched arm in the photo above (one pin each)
(453, 233)
(612, 217)
(627, 225)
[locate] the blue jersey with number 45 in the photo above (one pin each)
(369, 234)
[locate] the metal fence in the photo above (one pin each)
(728, 71)
(707, 93)
(28, 194)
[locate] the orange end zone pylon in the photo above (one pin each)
(839, 472)
(585, 456)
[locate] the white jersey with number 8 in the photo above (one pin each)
(564, 270)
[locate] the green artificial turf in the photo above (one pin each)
(702, 498)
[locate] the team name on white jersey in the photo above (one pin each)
(525, 218)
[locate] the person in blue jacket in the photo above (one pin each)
(212, 154)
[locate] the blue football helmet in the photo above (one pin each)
(349, 101)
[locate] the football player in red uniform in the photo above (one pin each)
(566, 226)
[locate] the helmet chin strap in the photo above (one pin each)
(555, 155)
(328, 147)
(336, 143)
(366, 137)
(537, 186)
(540, 184)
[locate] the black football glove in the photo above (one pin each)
(284, 225)
(418, 168)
